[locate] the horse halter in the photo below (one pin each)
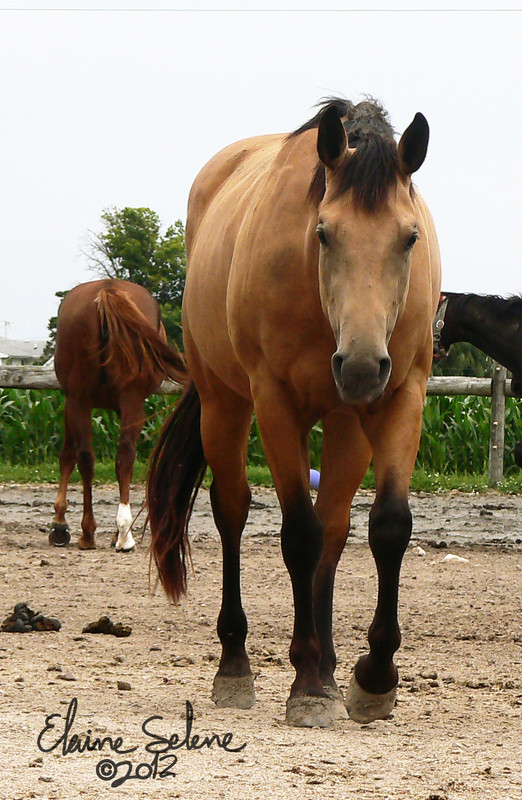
(438, 323)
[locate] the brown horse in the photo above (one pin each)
(312, 283)
(111, 352)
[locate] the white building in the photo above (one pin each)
(16, 352)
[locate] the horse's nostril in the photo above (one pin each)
(384, 369)
(337, 366)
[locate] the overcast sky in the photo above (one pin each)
(119, 108)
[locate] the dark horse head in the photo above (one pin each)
(492, 324)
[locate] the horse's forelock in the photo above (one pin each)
(373, 168)
(370, 171)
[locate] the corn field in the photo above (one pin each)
(31, 427)
(455, 435)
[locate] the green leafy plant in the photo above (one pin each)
(454, 448)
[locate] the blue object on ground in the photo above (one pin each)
(315, 477)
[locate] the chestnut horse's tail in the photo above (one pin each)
(176, 470)
(131, 344)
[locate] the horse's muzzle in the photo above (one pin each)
(361, 380)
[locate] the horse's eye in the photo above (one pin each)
(411, 241)
(322, 235)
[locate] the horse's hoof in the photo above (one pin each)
(229, 691)
(125, 542)
(365, 707)
(86, 544)
(336, 696)
(59, 535)
(305, 711)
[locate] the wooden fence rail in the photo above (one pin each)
(498, 388)
(44, 378)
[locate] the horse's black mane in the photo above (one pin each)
(501, 310)
(374, 166)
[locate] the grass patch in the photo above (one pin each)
(453, 454)
(104, 472)
(422, 480)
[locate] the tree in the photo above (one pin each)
(131, 247)
(50, 345)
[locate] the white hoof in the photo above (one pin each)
(125, 540)
(125, 543)
(365, 707)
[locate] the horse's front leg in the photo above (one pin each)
(344, 461)
(284, 436)
(393, 429)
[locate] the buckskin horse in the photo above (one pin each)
(111, 352)
(313, 279)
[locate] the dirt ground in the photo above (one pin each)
(456, 732)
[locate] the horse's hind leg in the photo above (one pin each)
(59, 534)
(81, 427)
(131, 423)
(225, 425)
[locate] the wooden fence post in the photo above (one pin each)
(498, 416)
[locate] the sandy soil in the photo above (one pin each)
(456, 732)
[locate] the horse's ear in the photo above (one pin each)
(331, 138)
(413, 145)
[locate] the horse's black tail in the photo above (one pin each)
(177, 468)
